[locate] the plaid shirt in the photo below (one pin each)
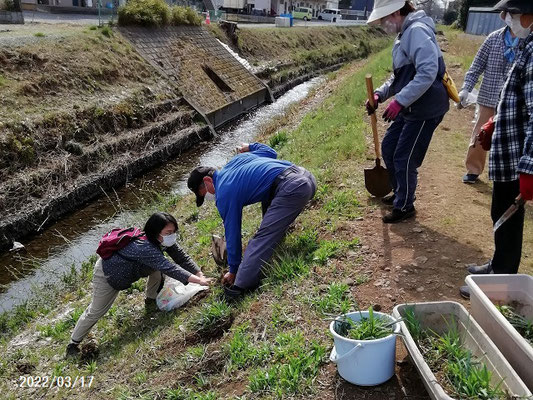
(512, 142)
(490, 62)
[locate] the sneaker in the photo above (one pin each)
(150, 306)
(388, 200)
(397, 215)
(465, 292)
(73, 350)
(233, 293)
(470, 178)
(480, 269)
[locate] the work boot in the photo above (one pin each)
(150, 306)
(73, 350)
(470, 178)
(397, 215)
(464, 291)
(480, 269)
(233, 293)
(388, 200)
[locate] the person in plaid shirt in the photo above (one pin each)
(493, 59)
(511, 151)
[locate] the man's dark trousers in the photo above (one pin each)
(293, 189)
(403, 148)
(508, 237)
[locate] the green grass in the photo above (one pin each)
(293, 369)
(335, 301)
(242, 350)
(209, 316)
(39, 34)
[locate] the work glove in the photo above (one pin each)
(463, 97)
(485, 134)
(526, 186)
(392, 111)
(369, 109)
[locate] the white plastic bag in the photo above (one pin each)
(471, 99)
(175, 294)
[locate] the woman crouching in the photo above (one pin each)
(140, 258)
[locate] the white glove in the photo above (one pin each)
(463, 97)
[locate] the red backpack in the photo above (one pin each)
(117, 239)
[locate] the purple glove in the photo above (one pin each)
(392, 111)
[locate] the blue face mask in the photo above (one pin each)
(510, 46)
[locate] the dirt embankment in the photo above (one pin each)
(285, 58)
(80, 114)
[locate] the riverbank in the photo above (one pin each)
(338, 254)
(76, 97)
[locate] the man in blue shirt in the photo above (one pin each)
(255, 175)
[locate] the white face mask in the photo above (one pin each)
(169, 240)
(389, 27)
(513, 21)
(209, 197)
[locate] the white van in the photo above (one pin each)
(330, 14)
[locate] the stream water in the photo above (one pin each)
(74, 239)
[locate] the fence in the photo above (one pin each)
(482, 21)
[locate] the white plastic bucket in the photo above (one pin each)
(365, 362)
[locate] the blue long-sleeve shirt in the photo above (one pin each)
(246, 179)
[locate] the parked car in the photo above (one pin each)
(303, 13)
(330, 14)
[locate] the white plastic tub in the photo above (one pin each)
(485, 291)
(365, 362)
(436, 316)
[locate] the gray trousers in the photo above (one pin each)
(293, 192)
(103, 297)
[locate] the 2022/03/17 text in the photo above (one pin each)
(46, 381)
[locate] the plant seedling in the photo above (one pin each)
(367, 328)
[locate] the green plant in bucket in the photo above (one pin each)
(367, 328)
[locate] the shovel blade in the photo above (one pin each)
(377, 181)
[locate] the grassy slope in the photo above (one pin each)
(293, 52)
(275, 347)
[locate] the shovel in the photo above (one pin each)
(376, 179)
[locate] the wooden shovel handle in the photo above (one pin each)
(373, 119)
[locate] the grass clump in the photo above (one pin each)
(523, 325)
(278, 140)
(210, 316)
(39, 34)
(106, 31)
(294, 367)
(242, 352)
(155, 13)
(144, 13)
(185, 16)
(367, 328)
(335, 301)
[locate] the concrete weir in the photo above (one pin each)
(217, 85)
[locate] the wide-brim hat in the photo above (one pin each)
(196, 178)
(515, 6)
(382, 8)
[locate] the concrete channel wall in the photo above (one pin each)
(217, 85)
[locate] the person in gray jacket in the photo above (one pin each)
(139, 258)
(420, 99)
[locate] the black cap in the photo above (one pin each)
(196, 178)
(515, 6)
